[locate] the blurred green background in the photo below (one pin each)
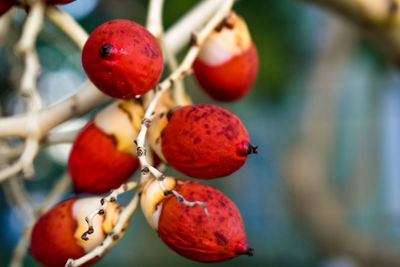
(314, 73)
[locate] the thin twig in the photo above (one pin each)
(28, 88)
(68, 24)
(112, 238)
(112, 197)
(179, 73)
(58, 190)
(88, 97)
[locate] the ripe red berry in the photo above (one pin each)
(56, 236)
(103, 155)
(188, 230)
(203, 141)
(5, 5)
(123, 59)
(227, 65)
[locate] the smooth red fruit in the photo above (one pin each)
(56, 235)
(5, 5)
(227, 65)
(231, 80)
(123, 59)
(95, 165)
(194, 235)
(58, 2)
(205, 141)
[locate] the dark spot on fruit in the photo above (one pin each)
(221, 239)
(169, 114)
(150, 52)
(199, 220)
(221, 219)
(208, 132)
(114, 139)
(206, 126)
(197, 140)
(108, 51)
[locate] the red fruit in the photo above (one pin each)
(104, 155)
(123, 59)
(205, 141)
(58, 2)
(227, 65)
(188, 230)
(56, 236)
(5, 5)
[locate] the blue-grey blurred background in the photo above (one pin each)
(324, 189)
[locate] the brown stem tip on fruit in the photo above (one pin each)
(252, 149)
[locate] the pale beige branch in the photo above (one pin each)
(88, 96)
(111, 239)
(62, 185)
(379, 20)
(67, 24)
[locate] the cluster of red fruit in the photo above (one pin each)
(202, 141)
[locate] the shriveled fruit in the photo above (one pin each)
(56, 236)
(227, 64)
(188, 230)
(123, 59)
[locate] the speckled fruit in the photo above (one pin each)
(188, 230)
(205, 141)
(103, 155)
(227, 65)
(56, 236)
(5, 5)
(123, 59)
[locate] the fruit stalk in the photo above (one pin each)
(88, 97)
(112, 197)
(112, 238)
(68, 24)
(179, 73)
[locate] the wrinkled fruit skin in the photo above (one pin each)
(231, 80)
(58, 2)
(123, 59)
(52, 241)
(194, 235)
(5, 5)
(95, 165)
(212, 141)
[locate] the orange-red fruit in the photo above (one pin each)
(103, 155)
(227, 65)
(5, 5)
(194, 235)
(205, 141)
(56, 236)
(95, 165)
(123, 59)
